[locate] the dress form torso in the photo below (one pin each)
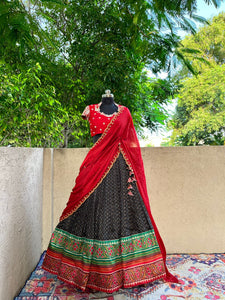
(100, 115)
(108, 107)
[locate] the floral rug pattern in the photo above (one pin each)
(201, 277)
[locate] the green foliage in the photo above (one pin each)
(31, 116)
(200, 114)
(57, 56)
(20, 33)
(206, 48)
(149, 109)
(165, 142)
(149, 145)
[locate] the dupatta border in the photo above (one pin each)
(87, 195)
(126, 158)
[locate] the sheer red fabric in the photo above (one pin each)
(119, 136)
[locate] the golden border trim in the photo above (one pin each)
(126, 158)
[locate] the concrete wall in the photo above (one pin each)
(186, 187)
(21, 216)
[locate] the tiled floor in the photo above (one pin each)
(201, 276)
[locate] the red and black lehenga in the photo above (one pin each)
(106, 238)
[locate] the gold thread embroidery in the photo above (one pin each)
(109, 126)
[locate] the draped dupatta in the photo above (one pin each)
(119, 137)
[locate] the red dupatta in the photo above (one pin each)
(119, 136)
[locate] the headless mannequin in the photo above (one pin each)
(108, 107)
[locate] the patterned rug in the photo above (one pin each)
(201, 276)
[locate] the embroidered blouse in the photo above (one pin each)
(98, 120)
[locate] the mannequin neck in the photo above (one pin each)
(108, 100)
(108, 106)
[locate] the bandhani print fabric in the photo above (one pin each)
(106, 238)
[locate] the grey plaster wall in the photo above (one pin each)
(21, 175)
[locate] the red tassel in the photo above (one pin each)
(130, 193)
(129, 180)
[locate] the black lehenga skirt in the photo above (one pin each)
(109, 241)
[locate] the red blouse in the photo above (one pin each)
(98, 120)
